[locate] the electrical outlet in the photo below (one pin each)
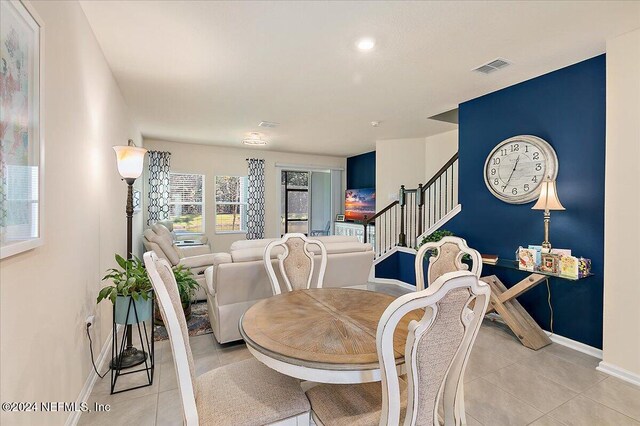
(89, 321)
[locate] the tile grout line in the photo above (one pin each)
(609, 407)
(517, 397)
(514, 396)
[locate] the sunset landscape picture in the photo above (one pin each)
(359, 203)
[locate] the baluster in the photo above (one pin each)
(402, 236)
(364, 225)
(429, 210)
(446, 192)
(420, 197)
(439, 197)
(453, 174)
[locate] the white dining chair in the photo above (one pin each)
(295, 262)
(436, 354)
(243, 393)
(446, 257)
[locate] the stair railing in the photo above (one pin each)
(416, 210)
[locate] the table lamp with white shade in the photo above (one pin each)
(130, 161)
(547, 201)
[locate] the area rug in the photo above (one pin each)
(197, 325)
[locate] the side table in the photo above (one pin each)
(503, 301)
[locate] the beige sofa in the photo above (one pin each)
(239, 279)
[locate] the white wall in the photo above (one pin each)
(46, 294)
(213, 161)
(398, 162)
(622, 203)
(438, 150)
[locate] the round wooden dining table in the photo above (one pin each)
(325, 335)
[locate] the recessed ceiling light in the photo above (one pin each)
(366, 44)
(254, 139)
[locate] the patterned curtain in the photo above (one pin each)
(255, 199)
(159, 167)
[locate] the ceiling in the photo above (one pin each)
(209, 72)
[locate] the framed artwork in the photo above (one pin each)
(339, 218)
(21, 128)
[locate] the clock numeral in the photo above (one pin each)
(526, 148)
(526, 186)
(503, 152)
(538, 167)
(504, 187)
(535, 179)
(515, 147)
(536, 155)
(493, 172)
(514, 191)
(496, 161)
(496, 181)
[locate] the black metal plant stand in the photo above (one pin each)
(118, 350)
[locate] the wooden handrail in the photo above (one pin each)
(380, 213)
(440, 172)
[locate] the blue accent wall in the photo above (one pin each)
(400, 266)
(361, 171)
(567, 109)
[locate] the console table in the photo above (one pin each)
(503, 301)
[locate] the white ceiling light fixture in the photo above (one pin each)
(366, 44)
(268, 124)
(254, 139)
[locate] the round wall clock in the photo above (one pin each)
(517, 166)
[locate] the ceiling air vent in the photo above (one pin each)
(492, 66)
(268, 124)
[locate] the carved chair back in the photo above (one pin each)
(437, 349)
(446, 256)
(295, 261)
(166, 291)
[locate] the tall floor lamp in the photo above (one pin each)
(130, 163)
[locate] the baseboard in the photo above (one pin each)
(392, 252)
(561, 340)
(393, 281)
(105, 353)
(575, 345)
(619, 373)
(444, 219)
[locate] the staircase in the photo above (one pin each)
(417, 212)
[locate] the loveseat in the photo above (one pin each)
(239, 279)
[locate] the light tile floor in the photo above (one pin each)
(505, 384)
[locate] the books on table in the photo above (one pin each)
(489, 259)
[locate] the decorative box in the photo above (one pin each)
(584, 267)
(550, 263)
(527, 259)
(538, 250)
(569, 267)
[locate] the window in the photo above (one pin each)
(231, 204)
(185, 202)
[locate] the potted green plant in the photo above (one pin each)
(187, 286)
(129, 282)
(434, 237)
